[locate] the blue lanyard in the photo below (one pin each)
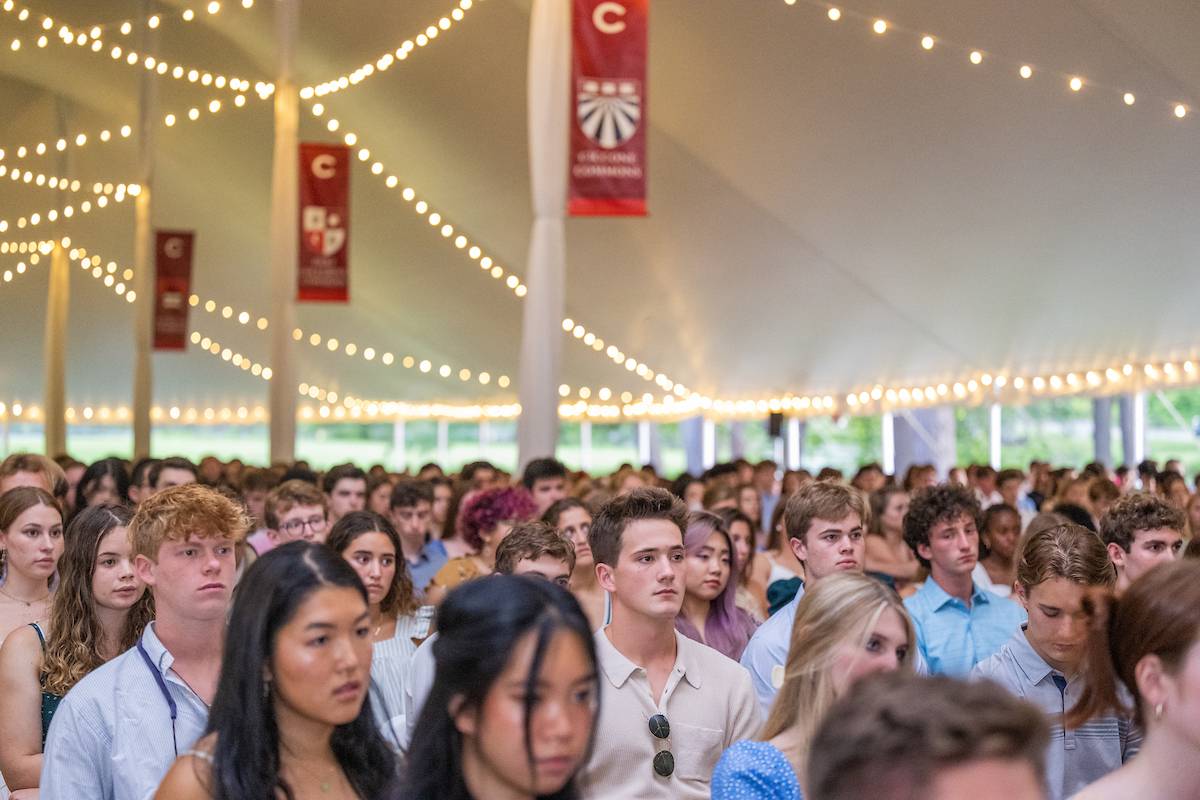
(162, 687)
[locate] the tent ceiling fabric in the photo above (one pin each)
(830, 208)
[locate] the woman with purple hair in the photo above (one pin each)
(483, 522)
(710, 614)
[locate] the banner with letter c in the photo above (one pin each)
(608, 108)
(323, 271)
(172, 282)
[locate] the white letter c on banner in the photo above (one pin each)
(604, 25)
(323, 166)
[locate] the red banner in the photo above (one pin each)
(608, 108)
(173, 281)
(324, 223)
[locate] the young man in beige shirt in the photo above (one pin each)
(669, 706)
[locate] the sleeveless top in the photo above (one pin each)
(49, 701)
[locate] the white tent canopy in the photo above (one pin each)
(831, 209)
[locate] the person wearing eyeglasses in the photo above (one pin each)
(669, 705)
(513, 708)
(117, 731)
(295, 510)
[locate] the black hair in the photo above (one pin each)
(679, 485)
(341, 472)
(407, 493)
(139, 473)
(468, 471)
(112, 467)
(479, 626)
(174, 462)
(1077, 514)
(540, 469)
(246, 752)
(298, 472)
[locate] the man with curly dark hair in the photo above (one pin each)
(1141, 530)
(958, 623)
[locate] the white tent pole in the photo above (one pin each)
(541, 332)
(54, 345)
(58, 298)
(643, 437)
(399, 457)
(888, 445)
(284, 215)
(994, 435)
(443, 443)
(585, 445)
(708, 439)
(143, 250)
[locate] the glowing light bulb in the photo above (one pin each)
(927, 42)
(1076, 84)
(1026, 71)
(880, 26)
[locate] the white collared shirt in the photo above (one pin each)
(708, 701)
(111, 737)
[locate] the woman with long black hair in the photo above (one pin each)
(289, 719)
(513, 709)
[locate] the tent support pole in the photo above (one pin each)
(283, 252)
(143, 250)
(54, 389)
(1102, 430)
(541, 332)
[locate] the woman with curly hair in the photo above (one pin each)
(371, 545)
(483, 522)
(98, 611)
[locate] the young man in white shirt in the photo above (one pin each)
(825, 523)
(117, 732)
(669, 706)
(1141, 531)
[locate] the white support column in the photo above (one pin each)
(737, 439)
(795, 442)
(443, 444)
(708, 439)
(995, 437)
(655, 459)
(643, 440)
(54, 353)
(548, 93)
(585, 446)
(485, 438)
(284, 242)
(1139, 427)
(888, 443)
(143, 251)
(926, 436)
(399, 457)
(1102, 430)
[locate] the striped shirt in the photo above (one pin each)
(389, 672)
(952, 637)
(1078, 757)
(112, 737)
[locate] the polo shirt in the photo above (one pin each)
(708, 702)
(952, 638)
(1076, 758)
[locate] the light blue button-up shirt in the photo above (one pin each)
(952, 638)
(767, 652)
(1076, 758)
(111, 738)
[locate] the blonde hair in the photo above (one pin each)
(176, 512)
(840, 608)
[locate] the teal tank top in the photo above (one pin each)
(49, 701)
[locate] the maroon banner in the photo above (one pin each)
(608, 116)
(173, 281)
(323, 273)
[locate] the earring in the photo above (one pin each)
(1158, 711)
(266, 688)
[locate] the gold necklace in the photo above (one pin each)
(28, 603)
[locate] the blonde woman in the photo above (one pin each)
(99, 610)
(847, 626)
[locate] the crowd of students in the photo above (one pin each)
(218, 631)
